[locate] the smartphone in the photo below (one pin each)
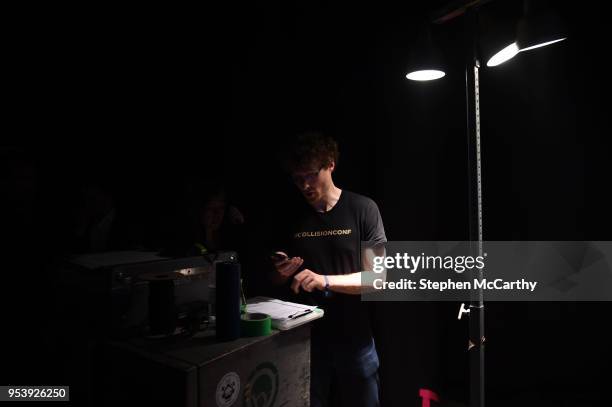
(278, 257)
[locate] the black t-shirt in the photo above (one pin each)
(330, 243)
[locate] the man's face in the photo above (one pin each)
(313, 181)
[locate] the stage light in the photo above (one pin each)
(539, 26)
(425, 59)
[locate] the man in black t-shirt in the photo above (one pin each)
(325, 267)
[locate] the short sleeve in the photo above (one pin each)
(373, 229)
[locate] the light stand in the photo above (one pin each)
(539, 27)
(423, 69)
(476, 310)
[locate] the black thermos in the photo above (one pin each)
(228, 301)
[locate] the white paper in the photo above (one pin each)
(277, 309)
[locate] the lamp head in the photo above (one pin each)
(425, 59)
(497, 39)
(539, 26)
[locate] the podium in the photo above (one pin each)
(261, 371)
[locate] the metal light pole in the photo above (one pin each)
(477, 310)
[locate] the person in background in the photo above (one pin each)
(203, 221)
(218, 224)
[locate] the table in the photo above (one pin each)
(262, 371)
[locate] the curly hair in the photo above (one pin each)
(309, 149)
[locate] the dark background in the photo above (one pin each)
(141, 99)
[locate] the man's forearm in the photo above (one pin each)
(346, 283)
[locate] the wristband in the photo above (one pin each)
(326, 292)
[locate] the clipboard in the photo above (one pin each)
(285, 315)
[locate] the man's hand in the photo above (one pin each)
(285, 266)
(308, 280)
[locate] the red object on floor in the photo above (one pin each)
(427, 396)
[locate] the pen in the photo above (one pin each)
(294, 316)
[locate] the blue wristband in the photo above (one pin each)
(326, 292)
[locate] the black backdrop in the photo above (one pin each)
(144, 98)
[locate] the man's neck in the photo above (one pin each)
(329, 200)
